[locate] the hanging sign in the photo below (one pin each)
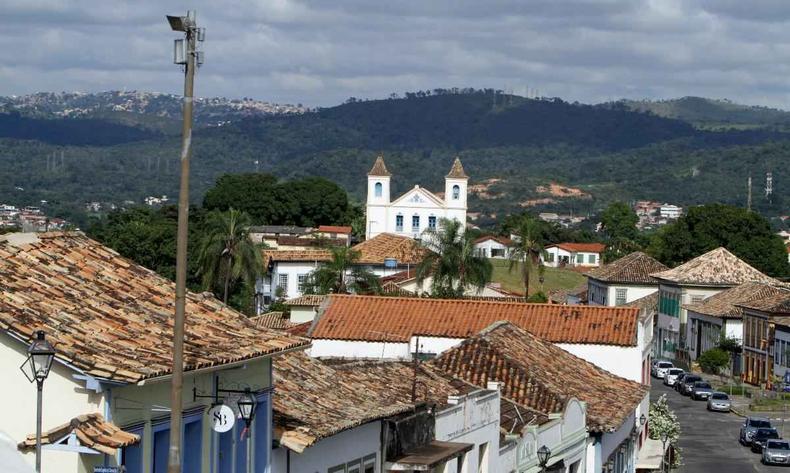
(222, 418)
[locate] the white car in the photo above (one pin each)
(671, 376)
(660, 368)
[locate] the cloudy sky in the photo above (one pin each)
(324, 51)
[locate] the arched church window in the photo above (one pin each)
(456, 192)
(379, 189)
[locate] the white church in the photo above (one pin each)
(418, 209)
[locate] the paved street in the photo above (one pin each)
(709, 440)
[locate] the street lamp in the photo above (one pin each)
(246, 404)
(544, 453)
(36, 368)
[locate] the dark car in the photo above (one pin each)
(701, 391)
(686, 387)
(750, 426)
(761, 437)
(679, 381)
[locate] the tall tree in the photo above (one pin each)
(341, 275)
(526, 250)
(746, 234)
(618, 223)
(227, 254)
(452, 262)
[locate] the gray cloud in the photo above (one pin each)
(319, 53)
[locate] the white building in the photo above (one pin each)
(573, 254)
(624, 280)
(418, 209)
(287, 272)
(670, 211)
(492, 246)
(691, 283)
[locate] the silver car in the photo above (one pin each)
(776, 451)
(750, 425)
(719, 402)
(672, 376)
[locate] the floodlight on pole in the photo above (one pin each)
(187, 55)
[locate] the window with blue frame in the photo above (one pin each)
(415, 223)
(161, 445)
(132, 456)
(399, 223)
(432, 222)
(379, 189)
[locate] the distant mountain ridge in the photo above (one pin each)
(208, 111)
(710, 113)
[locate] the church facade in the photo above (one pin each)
(418, 209)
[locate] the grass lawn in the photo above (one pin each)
(555, 278)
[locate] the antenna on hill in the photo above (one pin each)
(749, 193)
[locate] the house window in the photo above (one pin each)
(415, 223)
(379, 189)
(579, 258)
(161, 446)
(354, 466)
(549, 257)
(456, 192)
(432, 222)
(369, 464)
(337, 469)
(497, 252)
(399, 223)
(302, 280)
(282, 281)
(591, 259)
(132, 456)
(620, 296)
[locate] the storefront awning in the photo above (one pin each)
(429, 456)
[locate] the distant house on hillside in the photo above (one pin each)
(573, 254)
(418, 209)
(492, 246)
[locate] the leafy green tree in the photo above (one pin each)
(341, 275)
(714, 360)
(746, 234)
(452, 262)
(526, 250)
(227, 254)
(618, 223)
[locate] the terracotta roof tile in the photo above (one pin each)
(274, 256)
(540, 375)
(307, 300)
(404, 250)
(112, 318)
(397, 319)
(272, 320)
(776, 303)
(717, 267)
(457, 170)
(334, 229)
(587, 247)
(91, 430)
(634, 268)
(379, 168)
(728, 304)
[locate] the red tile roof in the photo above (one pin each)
(379, 168)
(111, 318)
(397, 319)
(91, 430)
(634, 268)
(541, 375)
(311, 256)
(404, 250)
(717, 267)
(585, 247)
(334, 229)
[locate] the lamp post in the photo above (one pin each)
(36, 368)
(664, 439)
(544, 453)
(187, 55)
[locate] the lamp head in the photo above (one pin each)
(246, 405)
(39, 359)
(544, 453)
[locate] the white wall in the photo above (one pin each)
(474, 420)
(342, 448)
(566, 437)
(302, 313)
(632, 293)
(293, 270)
(611, 441)
(625, 362)
(559, 253)
(64, 399)
(484, 249)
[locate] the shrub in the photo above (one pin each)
(713, 360)
(538, 297)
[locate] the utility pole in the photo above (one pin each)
(186, 54)
(749, 194)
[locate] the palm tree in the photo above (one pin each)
(452, 261)
(227, 254)
(341, 275)
(526, 250)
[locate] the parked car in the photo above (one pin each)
(719, 402)
(688, 384)
(660, 368)
(776, 451)
(672, 376)
(761, 438)
(701, 391)
(750, 425)
(679, 380)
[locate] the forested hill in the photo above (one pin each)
(511, 146)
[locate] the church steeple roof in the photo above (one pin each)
(457, 171)
(379, 168)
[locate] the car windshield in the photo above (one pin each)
(675, 371)
(665, 364)
(691, 379)
(720, 396)
(779, 445)
(767, 434)
(702, 385)
(759, 423)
